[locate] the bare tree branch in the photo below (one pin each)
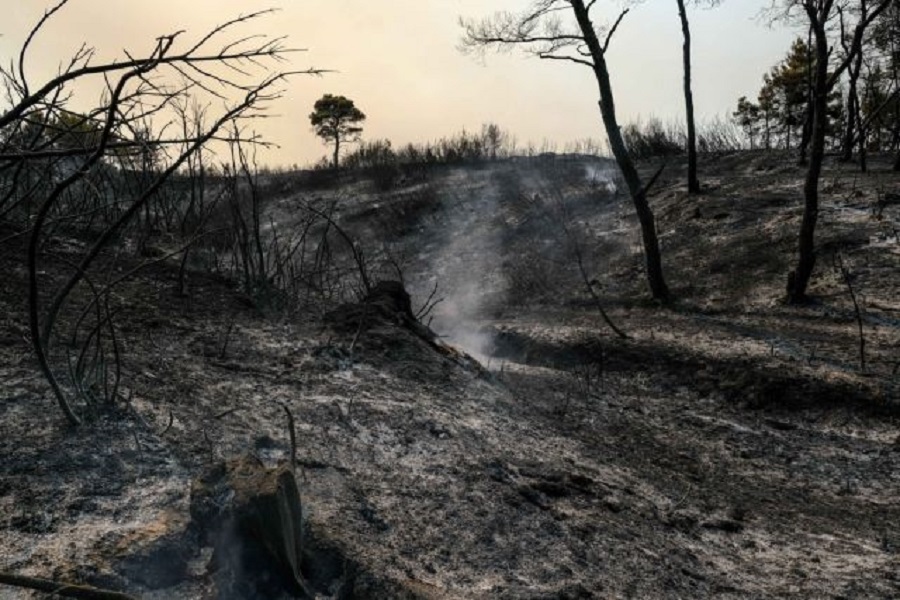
(612, 29)
(68, 153)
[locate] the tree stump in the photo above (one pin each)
(252, 517)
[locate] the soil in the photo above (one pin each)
(732, 447)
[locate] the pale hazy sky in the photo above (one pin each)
(398, 60)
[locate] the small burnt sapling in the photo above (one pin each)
(847, 278)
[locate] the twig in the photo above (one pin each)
(589, 285)
(359, 328)
(140, 448)
(292, 430)
(230, 411)
(579, 260)
(839, 264)
(429, 304)
(227, 337)
(169, 424)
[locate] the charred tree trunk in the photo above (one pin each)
(863, 145)
(897, 162)
(895, 128)
(819, 13)
(895, 134)
(806, 132)
(655, 277)
(853, 110)
(798, 280)
(693, 181)
(805, 135)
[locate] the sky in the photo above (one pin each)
(399, 60)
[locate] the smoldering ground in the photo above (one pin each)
(505, 237)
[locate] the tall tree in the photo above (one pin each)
(758, 118)
(853, 123)
(791, 80)
(747, 115)
(543, 31)
(820, 13)
(693, 179)
(769, 105)
(493, 139)
(336, 120)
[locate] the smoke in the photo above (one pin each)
(466, 262)
(499, 239)
(599, 177)
(458, 320)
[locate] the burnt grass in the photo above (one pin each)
(731, 447)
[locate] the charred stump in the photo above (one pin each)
(387, 303)
(252, 517)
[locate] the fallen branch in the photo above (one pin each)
(67, 590)
(230, 411)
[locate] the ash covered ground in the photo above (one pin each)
(730, 448)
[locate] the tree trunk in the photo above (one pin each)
(655, 278)
(895, 133)
(863, 157)
(798, 280)
(693, 181)
(853, 109)
(805, 135)
(819, 14)
(337, 150)
(806, 132)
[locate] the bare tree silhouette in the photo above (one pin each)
(543, 31)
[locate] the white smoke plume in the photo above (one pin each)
(465, 263)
